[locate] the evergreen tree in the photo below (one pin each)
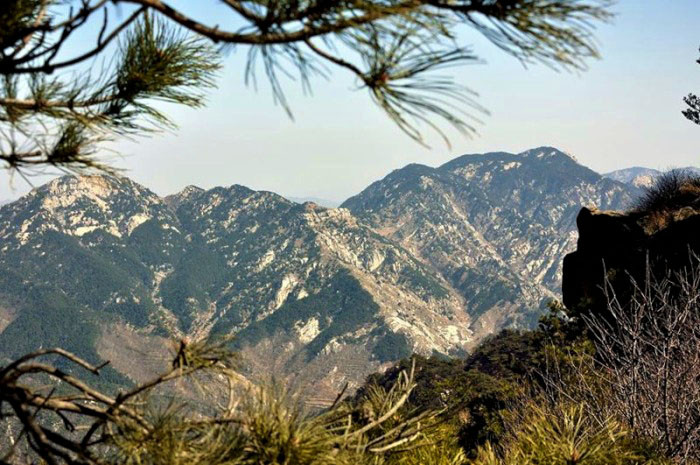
(693, 110)
(61, 94)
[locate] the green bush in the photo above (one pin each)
(567, 435)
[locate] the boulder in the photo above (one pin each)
(618, 246)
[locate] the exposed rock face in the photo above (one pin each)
(426, 260)
(637, 176)
(496, 226)
(310, 293)
(618, 246)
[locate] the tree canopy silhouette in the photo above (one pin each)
(75, 73)
(693, 110)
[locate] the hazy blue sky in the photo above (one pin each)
(624, 111)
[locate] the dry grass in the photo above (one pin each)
(673, 192)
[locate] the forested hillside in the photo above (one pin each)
(427, 260)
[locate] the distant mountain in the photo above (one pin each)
(317, 200)
(426, 260)
(639, 176)
(495, 226)
(106, 268)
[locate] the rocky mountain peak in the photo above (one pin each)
(78, 205)
(175, 200)
(547, 152)
(466, 160)
(414, 169)
(101, 189)
(528, 164)
(641, 177)
(190, 190)
(233, 194)
(498, 217)
(98, 189)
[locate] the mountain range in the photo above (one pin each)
(427, 260)
(643, 177)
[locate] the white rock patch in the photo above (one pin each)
(266, 259)
(308, 331)
(289, 282)
(136, 220)
(82, 230)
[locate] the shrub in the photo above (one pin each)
(670, 192)
(151, 424)
(567, 435)
(648, 353)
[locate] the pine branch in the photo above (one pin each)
(393, 47)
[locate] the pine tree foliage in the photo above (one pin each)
(55, 109)
(61, 94)
(231, 422)
(693, 103)
(567, 435)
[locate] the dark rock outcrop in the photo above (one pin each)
(619, 246)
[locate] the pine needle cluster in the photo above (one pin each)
(56, 112)
(77, 73)
(692, 112)
(74, 423)
(567, 435)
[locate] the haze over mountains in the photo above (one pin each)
(328, 203)
(642, 177)
(427, 260)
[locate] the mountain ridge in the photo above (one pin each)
(222, 261)
(400, 206)
(426, 260)
(640, 176)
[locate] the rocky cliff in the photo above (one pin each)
(659, 235)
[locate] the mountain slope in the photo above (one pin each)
(637, 176)
(495, 226)
(77, 257)
(336, 297)
(426, 260)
